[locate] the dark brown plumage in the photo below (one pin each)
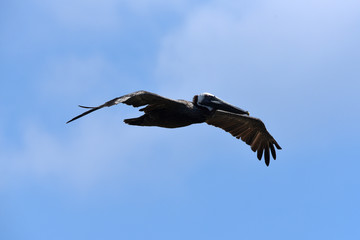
(251, 130)
(168, 113)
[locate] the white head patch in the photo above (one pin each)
(201, 98)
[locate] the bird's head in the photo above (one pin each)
(211, 102)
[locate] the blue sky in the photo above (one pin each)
(294, 64)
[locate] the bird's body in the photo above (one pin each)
(163, 112)
(180, 114)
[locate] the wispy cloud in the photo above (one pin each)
(99, 150)
(281, 61)
(86, 14)
(265, 51)
(105, 15)
(271, 42)
(45, 156)
(74, 76)
(146, 6)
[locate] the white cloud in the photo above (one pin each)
(72, 76)
(145, 6)
(96, 151)
(88, 14)
(85, 156)
(265, 50)
(282, 61)
(106, 14)
(273, 43)
(43, 155)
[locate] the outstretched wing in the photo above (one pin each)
(136, 99)
(251, 130)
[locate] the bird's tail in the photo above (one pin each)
(140, 121)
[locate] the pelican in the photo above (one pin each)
(164, 112)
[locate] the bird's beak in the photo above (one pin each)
(222, 105)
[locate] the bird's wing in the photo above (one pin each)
(251, 130)
(136, 99)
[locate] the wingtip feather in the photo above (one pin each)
(267, 156)
(273, 152)
(277, 145)
(84, 106)
(260, 153)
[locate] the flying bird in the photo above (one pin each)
(164, 112)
